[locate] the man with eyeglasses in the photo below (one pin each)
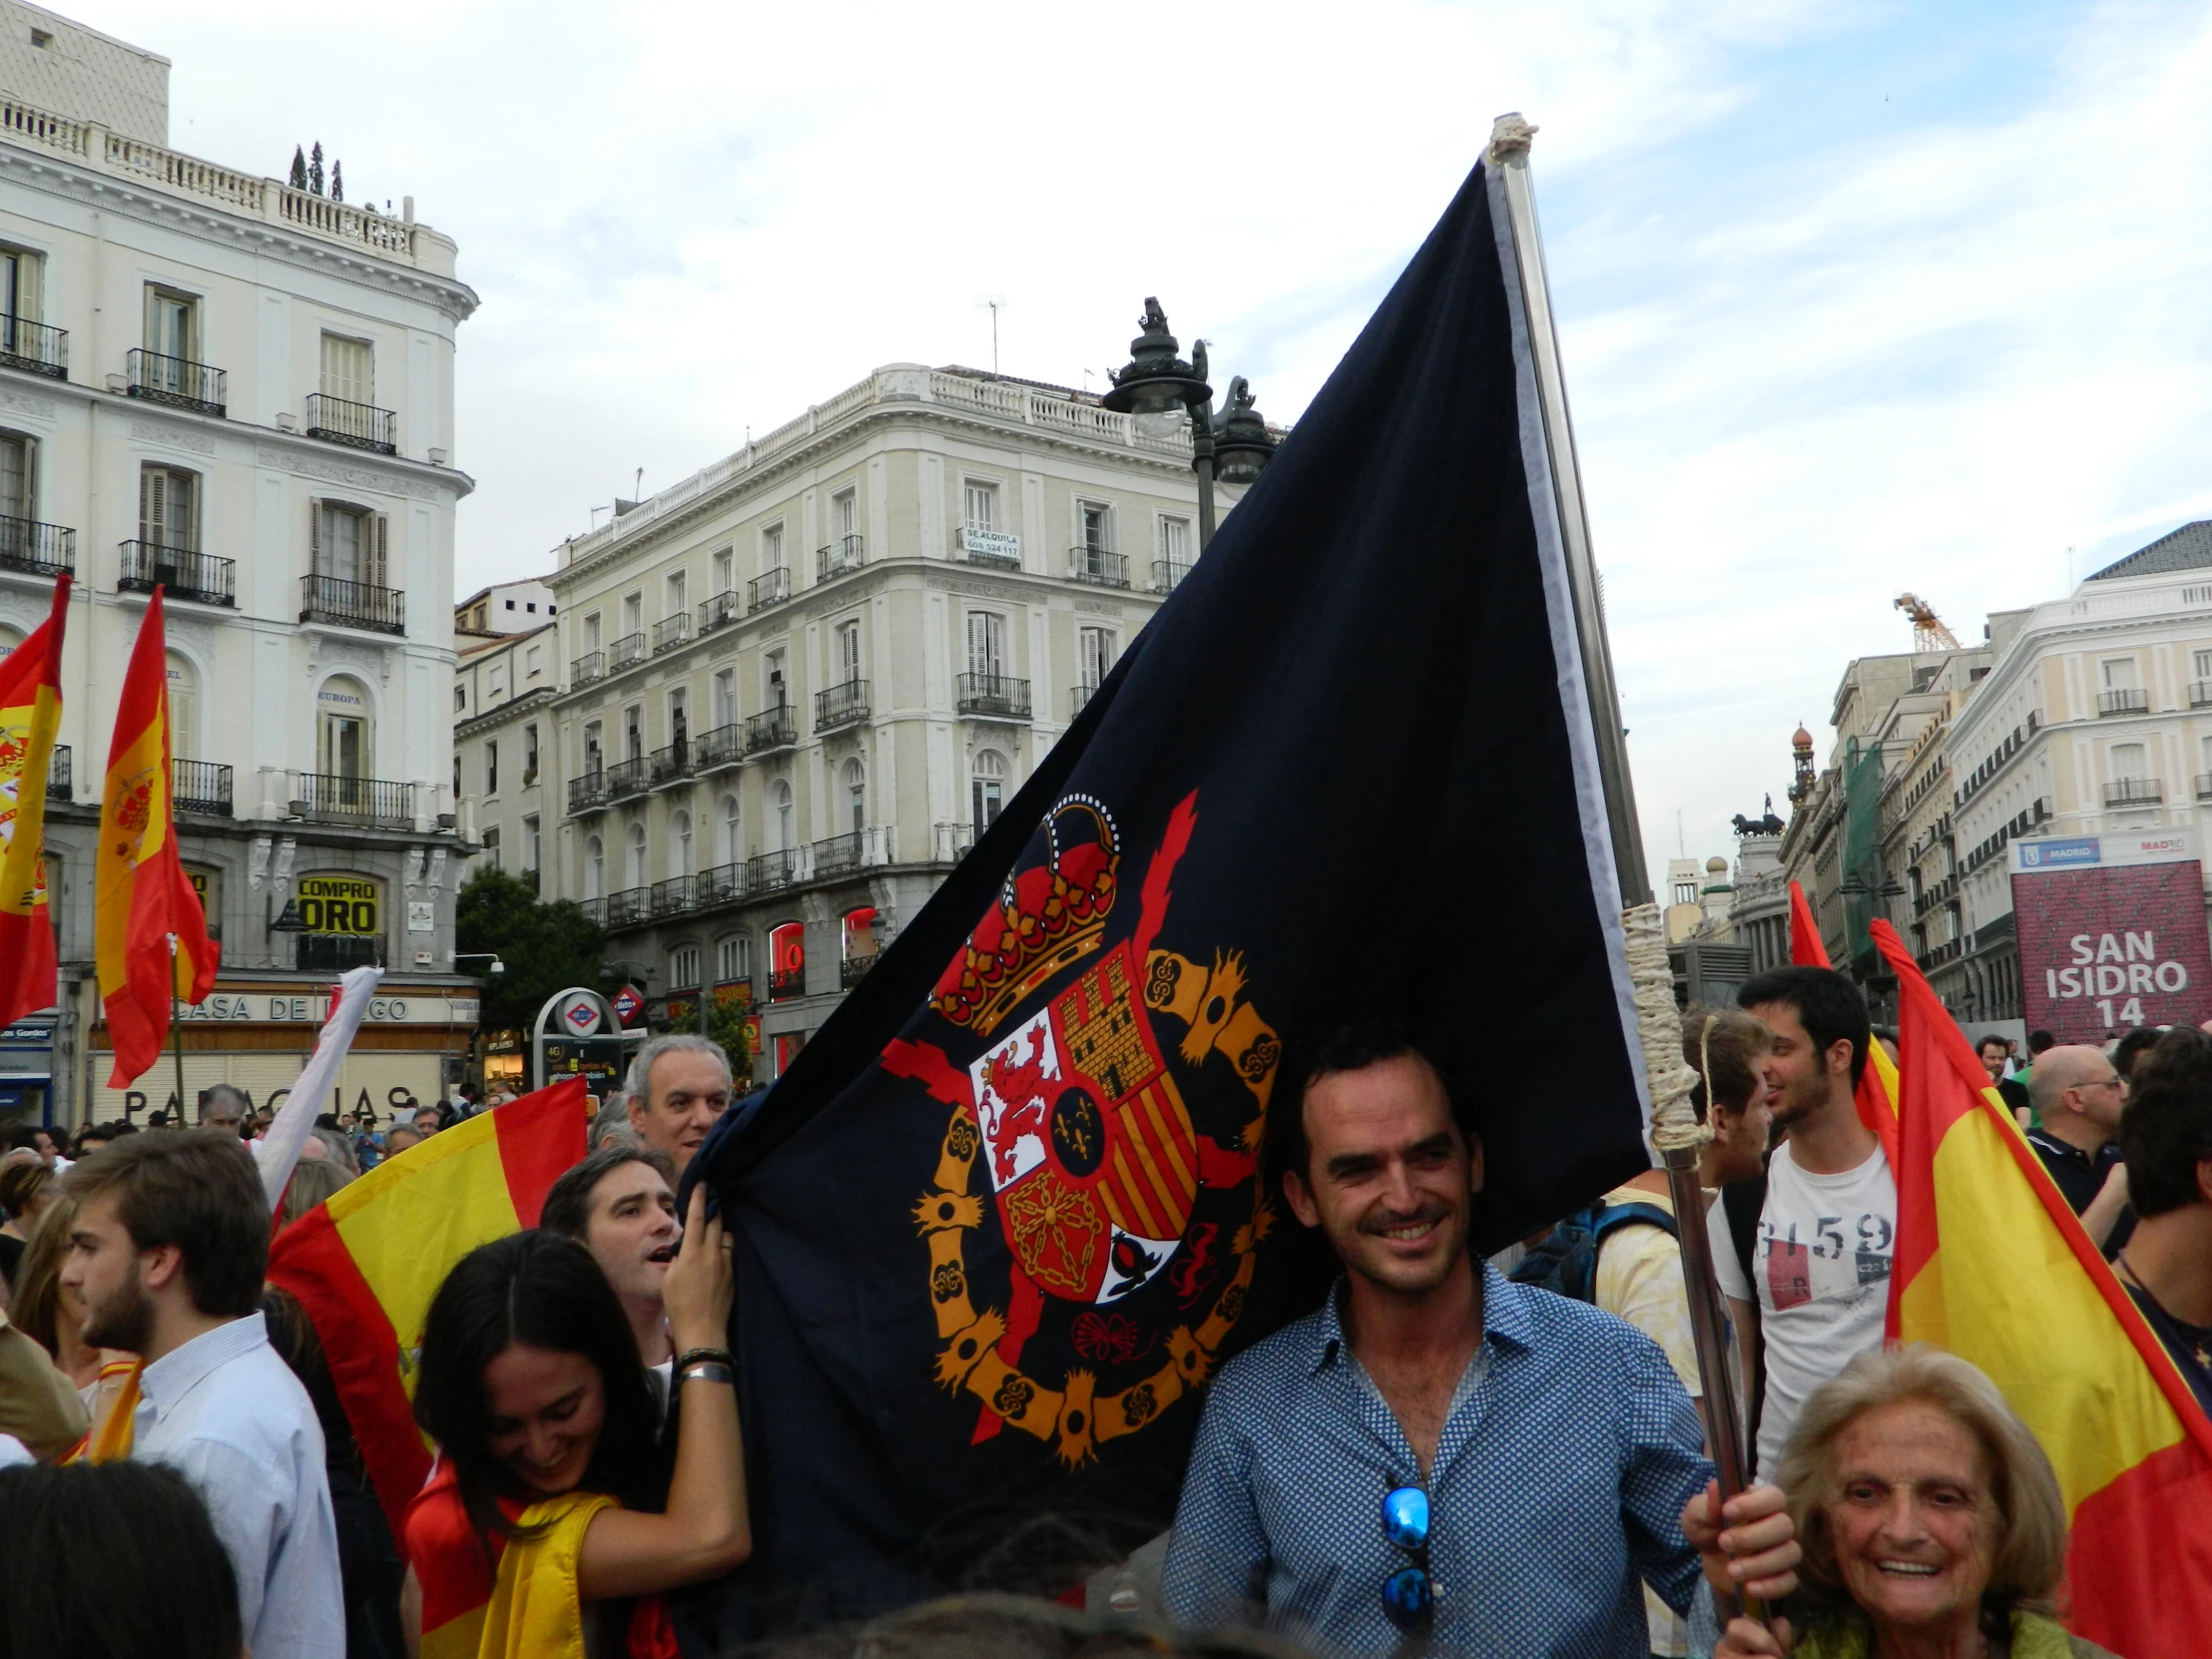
(2080, 1096)
(1439, 1459)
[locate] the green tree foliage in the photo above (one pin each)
(725, 1025)
(315, 168)
(337, 184)
(298, 180)
(546, 947)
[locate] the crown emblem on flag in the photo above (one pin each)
(1050, 914)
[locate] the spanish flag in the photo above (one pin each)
(1992, 1265)
(141, 897)
(1878, 1084)
(30, 716)
(365, 1264)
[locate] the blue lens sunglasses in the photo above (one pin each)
(1409, 1599)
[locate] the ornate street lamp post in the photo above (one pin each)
(1233, 446)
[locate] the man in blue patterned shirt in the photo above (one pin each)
(1559, 1457)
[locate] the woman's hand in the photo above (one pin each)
(701, 1282)
(1749, 1545)
(1749, 1639)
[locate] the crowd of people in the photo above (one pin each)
(1452, 1454)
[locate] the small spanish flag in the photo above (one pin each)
(141, 895)
(1993, 1264)
(1876, 1095)
(30, 716)
(365, 1264)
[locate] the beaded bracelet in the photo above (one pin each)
(709, 1371)
(720, 1356)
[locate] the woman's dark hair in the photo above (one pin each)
(67, 1528)
(538, 1289)
(568, 1205)
(2166, 1131)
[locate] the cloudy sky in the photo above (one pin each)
(1856, 297)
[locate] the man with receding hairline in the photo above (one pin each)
(2078, 1097)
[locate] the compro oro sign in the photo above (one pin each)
(2111, 932)
(332, 903)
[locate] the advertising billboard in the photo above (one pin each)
(2112, 933)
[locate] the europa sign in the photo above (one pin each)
(2112, 933)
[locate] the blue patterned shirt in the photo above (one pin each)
(1559, 1481)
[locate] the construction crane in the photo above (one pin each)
(1928, 632)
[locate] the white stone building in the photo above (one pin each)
(505, 608)
(243, 393)
(797, 683)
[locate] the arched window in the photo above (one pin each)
(787, 828)
(594, 867)
(856, 795)
(786, 961)
(730, 847)
(680, 847)
(987, 787)
(634, 867)
(342, 741)
(184, 709)
(10, 638)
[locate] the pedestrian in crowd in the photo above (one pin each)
(428, 1120)
(1930, 1520)
(1995, 1053)
(1535, 1456)
(547, 1476)
(472, 1101)
(2166, 1140)
(26, 1188)
(38, 1309)
(369, 1146)
(36, 1137)
(2078, 1097)
(620, 1204)
(41, 1416)
(112, 1562)
(400, 1137)
(610, 1126)
(225, 1107)
(94, 1136)
(2134, 1048)
(312, 1181)
(1811, 1285)
(338, 1146)
(169, 1251)
(263, 1116)
(677, 1088)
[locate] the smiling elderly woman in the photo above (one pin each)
(1929, 1517)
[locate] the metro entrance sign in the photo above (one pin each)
(578, 1034)
(629, 1002)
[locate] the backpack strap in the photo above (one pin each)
(1743, 1201)
(1609, 1217)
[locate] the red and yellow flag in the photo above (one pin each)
(365, 1264)
(1877, 1094)
(1993, 1264)
(141, 895)
(30, 716)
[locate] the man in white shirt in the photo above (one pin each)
(1820, 1268)
(168, 1250)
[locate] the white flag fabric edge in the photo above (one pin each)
(278, 1152)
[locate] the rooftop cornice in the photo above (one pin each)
(500, 714)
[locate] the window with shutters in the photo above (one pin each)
(342, 745)
(1095, 655)
(1175, 541)
(777, 686)
(492, 768)
(349, 544)
(673, 602)
(529, 755)
(633, 614)
(594, 867)
(348, 369)
(679, 844)
(733, 958)
(983, 505)
(184, 709)
(785, 812)
(634, 863)
(678, 719)
(2119, 672)
(725, 696)
(15, 476)
(532, 841)
(22, 296)
(169, 508)
(683, 967)
(633, 731)
(849, 653)
(2130, 759)
(986, 643)
(856, 795)
(491, 846)
(171, 328)
(595, 758)
(725, 570)
(987, 787)
(1098, 526)
(845, 514)
(771, 548)
(730, 848)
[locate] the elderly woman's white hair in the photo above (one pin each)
(2028, 1554)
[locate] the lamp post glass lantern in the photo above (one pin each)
(1234, 448)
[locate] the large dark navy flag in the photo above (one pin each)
(1006, 1213)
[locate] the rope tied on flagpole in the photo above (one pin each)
(1674, 1122)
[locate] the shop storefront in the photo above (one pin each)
(27, 1069)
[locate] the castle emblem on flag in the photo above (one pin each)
(1115, 1162)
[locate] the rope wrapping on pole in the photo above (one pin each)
(1659, 1027)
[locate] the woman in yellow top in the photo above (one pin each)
(548, 1477)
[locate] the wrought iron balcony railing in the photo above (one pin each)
(199, 787)
(787, 983)
(1079, 698)
(672, 897)
(776, 727)
(839, 556)
(840, 706)
(717, 611)
(630, 906)
(37, 549)
(2204, 785)
(2200, 694)
(675, 631)
(352, 604)
(34, 347)
(592, 665)
(627, 652)
(771, 587)
(625, 778)
(853, 970)
(332, 797)
(60, 775)
(718, 747)
(2134, 792)
(772, 871)
(589, 791)
(1098, 567)
(178, 382)
(356, 425)
(993, 696)
(718, 885)
(187, 575)
(335, 953)
(670, 763)
(839, 854)
(2124, 700)
(1168, 574)
(594, 910)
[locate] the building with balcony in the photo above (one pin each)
(799, 682)
(243, 394)
(2095, 717)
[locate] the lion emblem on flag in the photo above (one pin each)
(1120, 1168)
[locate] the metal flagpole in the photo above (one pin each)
(1676, 1134)
(177, 1030)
